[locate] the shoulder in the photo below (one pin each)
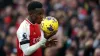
(24, 26)
(23, 31)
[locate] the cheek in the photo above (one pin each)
(40, 18)
(33, 17)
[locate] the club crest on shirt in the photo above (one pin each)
(34, 33)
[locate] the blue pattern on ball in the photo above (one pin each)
(50, 28)
(49, 18)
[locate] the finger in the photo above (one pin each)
(49, 45)
(55, 43)
(55, 40)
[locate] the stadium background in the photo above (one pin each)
(79, 30)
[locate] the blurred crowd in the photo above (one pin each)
(79, 26)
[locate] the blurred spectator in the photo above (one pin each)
(79, 26)
(97, 52)
(97, 41)
(13, 54)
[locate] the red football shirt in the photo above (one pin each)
(32, 33)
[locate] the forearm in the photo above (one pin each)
(33, 48)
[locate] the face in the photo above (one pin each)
(97, 26)
(97, 52)
(37, 15)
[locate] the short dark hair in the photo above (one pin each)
(33, 5)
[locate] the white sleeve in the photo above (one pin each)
(24, 44)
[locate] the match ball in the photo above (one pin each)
(49, 25)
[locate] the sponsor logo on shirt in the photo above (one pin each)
(35, 40)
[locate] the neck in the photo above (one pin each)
(30, 19)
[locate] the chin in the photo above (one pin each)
(39, 22)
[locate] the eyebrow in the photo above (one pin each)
(38, 8)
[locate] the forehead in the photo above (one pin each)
(39, 10)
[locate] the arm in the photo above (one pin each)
(24, 45)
